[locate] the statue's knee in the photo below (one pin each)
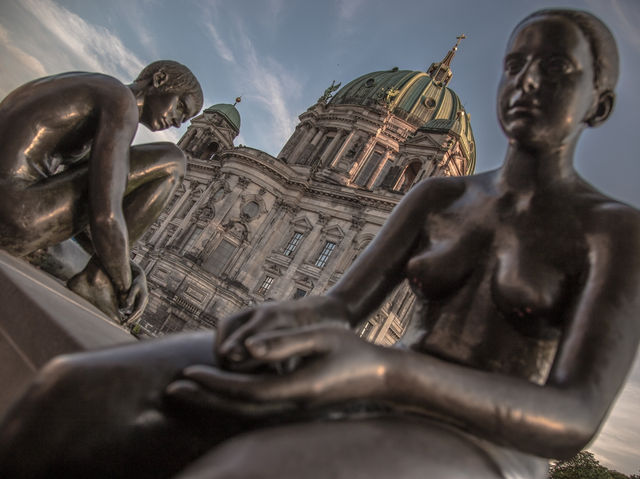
(174, 159)
(58, 371)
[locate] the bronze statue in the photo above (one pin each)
(328, 93)
(529, 280)
(68, 170)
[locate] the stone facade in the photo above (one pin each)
(246, 227)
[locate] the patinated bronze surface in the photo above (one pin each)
(68, 170)
(529, 280)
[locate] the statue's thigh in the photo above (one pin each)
(381, 448)
(44, 213)
(151, 161)
(96, 414)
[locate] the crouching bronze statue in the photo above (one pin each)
(529, 280)
(68, 170)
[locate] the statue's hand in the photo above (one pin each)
(336, 366)
(234, 331)
(133, 302)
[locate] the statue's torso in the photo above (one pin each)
(497, 276)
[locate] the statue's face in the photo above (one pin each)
(162, 110)
(547, 90)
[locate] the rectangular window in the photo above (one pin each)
(266, 285)
(300, 293)
(324, 255)
(220, 257)
(293, 244)
(368, 327)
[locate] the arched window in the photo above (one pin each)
(251, 209)
(410, 174)
(211, 149)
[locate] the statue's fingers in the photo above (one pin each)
(138, 309)
(280, 345)
(129, 301)
(190, 394)
(232, 346)
(224, 382)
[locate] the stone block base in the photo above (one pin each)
(40, 319)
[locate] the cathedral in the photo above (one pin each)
(246, 227)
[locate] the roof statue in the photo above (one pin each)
(326, 96)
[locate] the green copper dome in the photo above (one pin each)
(229, 112)
(415, 97)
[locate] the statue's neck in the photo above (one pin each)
(529, 168)
(138, 91)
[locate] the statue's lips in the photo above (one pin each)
(522, 109)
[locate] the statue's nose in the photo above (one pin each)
(529, 78)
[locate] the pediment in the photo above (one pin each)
(333, 230)
(303, 223)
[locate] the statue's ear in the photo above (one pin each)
(159, 78)
(603, 108)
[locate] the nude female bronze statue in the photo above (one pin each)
(529, 282)
(67, 169)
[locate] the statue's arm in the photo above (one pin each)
(594, 357)
(117, 121)
(553, 420)
(362, 288)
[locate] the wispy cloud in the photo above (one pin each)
(272, 85)
(28, 61)
(628, 19)
(221, 47)
(95, 46)
(347, 9)
(261, 79)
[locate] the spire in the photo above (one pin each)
(441, 72)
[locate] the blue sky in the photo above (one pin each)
(280, 55)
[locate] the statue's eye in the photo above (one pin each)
(513, 64)
(557, 65)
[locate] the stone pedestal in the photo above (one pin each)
(40, 319)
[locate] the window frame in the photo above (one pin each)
(325, 254)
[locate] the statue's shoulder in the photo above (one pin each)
(70, 84)
(437, 192)
(618, 222)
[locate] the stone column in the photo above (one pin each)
(184, 141)
(271, 235)
(176, 207)
(340, 134)
(375, 174)
(309, 150)
(304, 140)
(364, 154)
(343, 149)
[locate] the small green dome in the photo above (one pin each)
(229, 112)
(415, 97)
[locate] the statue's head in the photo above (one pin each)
(560, 71)
(172, 94)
